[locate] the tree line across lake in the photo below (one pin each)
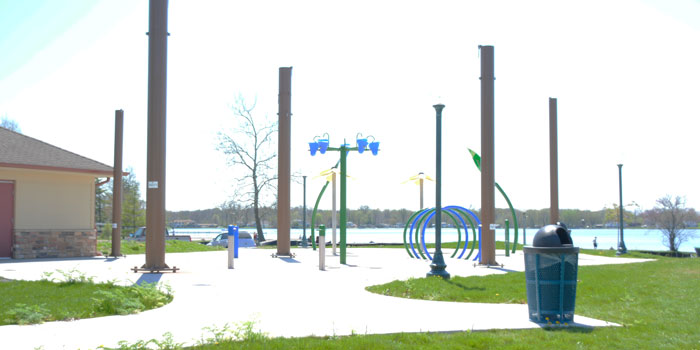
(366, 217)
(233, 213)
(670, 215)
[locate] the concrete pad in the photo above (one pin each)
(282, 295)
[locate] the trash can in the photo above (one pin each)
(551, 269)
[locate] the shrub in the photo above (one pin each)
(27, 314)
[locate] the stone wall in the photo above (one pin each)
(54, 244)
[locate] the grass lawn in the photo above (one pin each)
(74, 297)
(656, 302)
(134, 247)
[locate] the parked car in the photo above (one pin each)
(245, 240)
(140, 235)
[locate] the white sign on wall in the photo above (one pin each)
(152, 184)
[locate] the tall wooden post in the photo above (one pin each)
(488, 209)
(283, 162)
(155, 192)
(117, 187)
(553, 164)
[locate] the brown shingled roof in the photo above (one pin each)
(20, 151)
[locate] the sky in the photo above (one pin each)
(625, 74)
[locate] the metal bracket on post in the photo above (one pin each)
(144, 269)
(290, 255)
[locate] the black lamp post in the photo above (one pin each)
(437, 267)
(304, 244)
(621, 248)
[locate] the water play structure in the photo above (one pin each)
(418, 222)
(321, 145)
(329, 180)
(419, 180)
(477, 162)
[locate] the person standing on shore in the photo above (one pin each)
(595, 242)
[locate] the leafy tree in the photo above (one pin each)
(249, 147)
(133, 207)
(9, 124)
(103, 204)
(672, 217)
(612, 215)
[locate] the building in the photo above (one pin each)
(47, 199)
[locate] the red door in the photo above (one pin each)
(7, 208)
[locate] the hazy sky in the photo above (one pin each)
(625, 73)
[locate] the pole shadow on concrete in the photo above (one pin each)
(149, 278)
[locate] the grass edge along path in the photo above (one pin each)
(171, 246)
(656, 303)
(66, 296)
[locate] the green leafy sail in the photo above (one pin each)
(477, 162)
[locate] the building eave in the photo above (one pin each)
(96, 172)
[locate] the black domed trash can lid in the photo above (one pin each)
(553, 236)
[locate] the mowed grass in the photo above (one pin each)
(134, 247)
(656, 303)
(27, 302)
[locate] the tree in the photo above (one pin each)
(103, 203)
(9, 124)
(249, 148)
(613, 215)
(133, 207)
(671, 216)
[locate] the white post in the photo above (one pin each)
(421, 194)
(334, 220)
(322, 247)
(230, 249)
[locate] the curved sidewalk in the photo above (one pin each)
(283, 296)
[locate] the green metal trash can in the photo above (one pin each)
(551, 269)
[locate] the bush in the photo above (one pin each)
(27, 314)
(133, 299)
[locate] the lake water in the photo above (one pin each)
(635, 239)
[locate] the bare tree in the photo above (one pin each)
(249, 147)
(9, 124)
(671, 217)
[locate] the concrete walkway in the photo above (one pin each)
(284, 296)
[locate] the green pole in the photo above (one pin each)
(343, 201)
(621, 249)
(437, 266)
(477, 162)
(512, 213)
(313, 215)
(508, 238)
